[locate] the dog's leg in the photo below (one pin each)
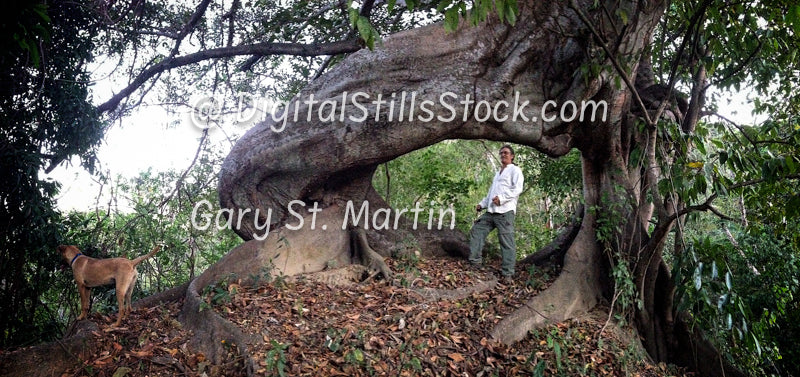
(122, 288)
(129, 292)
(84, 291)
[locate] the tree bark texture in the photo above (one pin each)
(552, 53)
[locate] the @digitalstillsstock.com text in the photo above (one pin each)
(394, 107)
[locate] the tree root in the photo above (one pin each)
(43, 359)
(435, 294)
(557, 248)
(697, 353)
(338, 277)
(367, 256)
(170, 295)
(210, 330)
(574, 292)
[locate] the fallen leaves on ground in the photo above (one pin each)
(383, 328)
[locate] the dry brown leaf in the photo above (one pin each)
(457, 357)
(142, 354)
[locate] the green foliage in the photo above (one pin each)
(217, 294)
(740, 286)
(610, 218)
(559, 177)
(45, 118)
(153, 208)
(365, 29)
(569, 350)
(744, 298)
(276, 359)
(477, 11)
(458, 173)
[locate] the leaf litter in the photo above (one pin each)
(374, 328)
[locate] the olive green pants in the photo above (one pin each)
(504, 222)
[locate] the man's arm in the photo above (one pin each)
(517, 182)
(484, 203)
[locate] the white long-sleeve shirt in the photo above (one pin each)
(507, 185)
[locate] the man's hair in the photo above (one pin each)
(508, 146)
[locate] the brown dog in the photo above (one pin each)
(91, 272)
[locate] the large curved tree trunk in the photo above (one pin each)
(542, 58)
(328, 154)
(333, 161)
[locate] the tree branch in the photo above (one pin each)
(706, 205)
(366, 8)
(574, 6)
(740, 128)
(261, 49)
(744, 64)
(189, 26)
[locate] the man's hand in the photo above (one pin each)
(496, 200)
(478, 208)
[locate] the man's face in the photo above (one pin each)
(505, 156)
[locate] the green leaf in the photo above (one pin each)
(557, 350)
(511, 17)
(623, 15)
(367, 32)
(791, 165)
(700, 145)
(451, 20)
(500, 6)
(722, 301)
(539, 370)
(793, 18)
(359, 356)
(793, 206)
(353, 15)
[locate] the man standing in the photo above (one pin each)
(501, 207)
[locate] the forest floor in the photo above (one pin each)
(427, 320)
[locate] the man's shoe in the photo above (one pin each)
(480, 267)
(508, 280)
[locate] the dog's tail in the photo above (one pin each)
(148, 255)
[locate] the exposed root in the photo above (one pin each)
(563, 300)
(367, 256)
(557, 248)
(344, 276)
(694, 351)
(574, 293)
(59, 355)
(170, 295)
(434, 294)
(210, 330)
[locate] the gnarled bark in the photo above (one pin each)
(333, 162)
(544, 57)
(536, 61)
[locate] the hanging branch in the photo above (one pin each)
(260, 49)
